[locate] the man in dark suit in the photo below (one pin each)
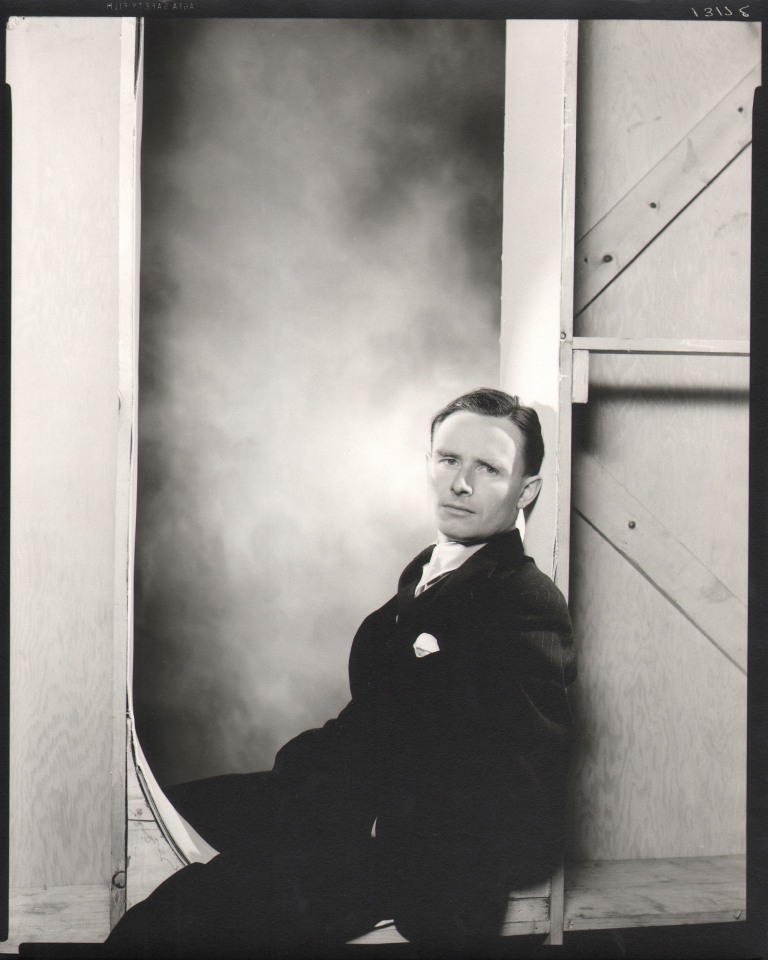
(441, 785)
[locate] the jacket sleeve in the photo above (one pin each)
(326, 779)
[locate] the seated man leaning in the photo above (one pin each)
(440, 787)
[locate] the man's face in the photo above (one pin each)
(476, 478)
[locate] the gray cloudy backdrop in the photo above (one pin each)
(321, 246)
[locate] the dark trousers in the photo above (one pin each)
(284, 885)
(269, 893)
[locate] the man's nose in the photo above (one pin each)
(460, 483)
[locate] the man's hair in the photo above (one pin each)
(496, 403)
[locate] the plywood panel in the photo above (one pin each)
(659, 764)
(702, 154)
(64, 74)
(677, 439)
(680, 577)
(660, 767)
(662, 711)
(646, 409)
(693, 281)
(642, 86)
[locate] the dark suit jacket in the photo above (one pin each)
(461, 756)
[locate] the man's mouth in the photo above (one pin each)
(456, 508)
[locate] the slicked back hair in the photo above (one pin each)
(495, 403)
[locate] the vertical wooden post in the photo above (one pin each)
(537, 277)
(131, 75)
(66, 682)
(537, 272)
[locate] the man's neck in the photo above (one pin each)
(442, 538)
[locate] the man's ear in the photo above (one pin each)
(531, 487)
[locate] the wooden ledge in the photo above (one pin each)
(66, 914)
(614, 894)
(644, 893)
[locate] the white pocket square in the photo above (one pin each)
(425, 644)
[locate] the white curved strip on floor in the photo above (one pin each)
(183, 838)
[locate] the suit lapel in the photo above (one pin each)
(500, 554)
(412, 573)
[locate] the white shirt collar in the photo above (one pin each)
(447, 556)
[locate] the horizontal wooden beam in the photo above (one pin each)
(715, 348)
(677, 179)
(670, 566)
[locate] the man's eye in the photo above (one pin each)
(489, 469)
(448, 461)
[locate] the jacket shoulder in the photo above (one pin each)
(525, 593)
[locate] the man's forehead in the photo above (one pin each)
(467, 426)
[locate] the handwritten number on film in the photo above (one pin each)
(708, 12)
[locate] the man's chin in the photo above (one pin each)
(461, 532)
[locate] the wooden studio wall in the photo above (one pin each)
(646, 529)
(659, 595)
(646, 238)
(658, 545)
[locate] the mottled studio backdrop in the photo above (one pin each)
(320, 271)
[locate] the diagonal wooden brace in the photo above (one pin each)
(669, 565)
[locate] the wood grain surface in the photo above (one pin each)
(642, 86)
(69, 914)
(660, 765)
(650, 206)
(680, 577)
(66, 81)
(655, 892)
(151, 860)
